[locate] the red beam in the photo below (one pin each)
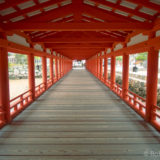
(30, 9)
(105, 15)
(11, 3)
(147, 4)
(76, 26)
(94, 45)
(125, 9)
(50, 15)
(79, 40)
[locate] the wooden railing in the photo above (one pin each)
(19, 103)
(49, 83)
(59, 75)
(155, 119)
(117, 89)
(39, 89)
(108, 83)
(136, 102)
(2, 119)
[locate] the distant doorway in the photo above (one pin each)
(79, 64)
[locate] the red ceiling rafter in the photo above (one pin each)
(147, 4)
(77, 12)
(79, 40)
(30, 9)
(105, 15)
(11, 3)
(87, 45)
(124, 9)
(90, 28)
(76, 26)
(50, 15)
(111, 34)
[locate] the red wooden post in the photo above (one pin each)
(152, 79)
(125, 75)
(56, 68)
(51, 69)
(64, 66)
(60, 66)
(58, 71)
(94, 63)
(105, 68)
(101, 70)
(44, 71)
(31, 74)
(98, 67)
(4, 85)
(113, 65)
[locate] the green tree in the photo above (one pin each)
(119, 58)
(141, 56)
(21, 59)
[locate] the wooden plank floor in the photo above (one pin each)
(79, 119)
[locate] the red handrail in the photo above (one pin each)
(20, 102)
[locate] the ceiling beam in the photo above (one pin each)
(1, 30)
(78, 40)
(147, 4)
(23, 26)
(30, 9)
(104, 14)
(59, 12)
(77, 12)
(84, 45)
(11, 3)
(124, 9)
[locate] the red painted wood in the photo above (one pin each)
(152, 79)
(105, 69)
(124, 9)
(51, 69)
(31, 74)
(12, 3)
(113, 67)
(41, 26)
(27, 10)
(4, 85)
(125, 75)
(44, 71)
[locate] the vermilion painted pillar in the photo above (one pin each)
(95, 66)
(31, 74)
(51, 69)
(56, 67)
(152, 79)
(64, 66)
(100, 65)
(113, 65)
(125, 75)
(4, 85)
(44, 71)
(60, 66)
(105, 69)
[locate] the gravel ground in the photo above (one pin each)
(20, 86)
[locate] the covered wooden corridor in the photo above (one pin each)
(79, 114)
(78, 118)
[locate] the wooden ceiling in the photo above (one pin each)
(78, 29)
